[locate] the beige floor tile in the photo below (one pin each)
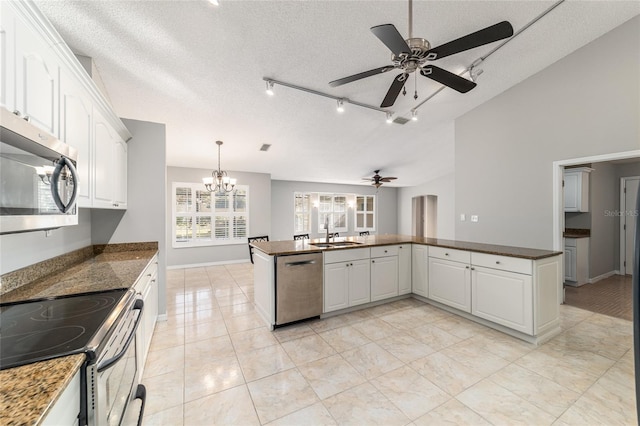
(427, 314)
(164, 391)
(477, 359)
(163, 361)
(210, 376)
(245, 322)
(371, 360)
(263, 362)
(383, 309)
(234, 299)
(570, 316)
(170, 417)
(344, 338)
(229, 407)
(447, 373)
(501, 344)
(401, 319)
(357, 316)
(292, 332)
(452, 413)
(500, 406)
(249, 340)
(209, 349)
(315, 414)
(199, 317)
(167, 339)
(171, 322)
(330, 323)
(532, 387)
(579, 359)
(608, 340)
(331, 375)
(281, 394)
(307, 349)
(409, 391)
(375, 328)
(237, 310)
(433, 336)
(364, 405)
(204, 330)
(404, 347)
(460, 327)
(227, 291)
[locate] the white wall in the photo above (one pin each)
(259, 218)
(282, 206)
(444, 188)
(586, 104)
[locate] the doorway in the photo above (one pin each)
(628, 213)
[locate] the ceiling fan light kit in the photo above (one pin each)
(377, 180)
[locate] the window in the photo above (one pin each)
(332, 208)
(365, 213)
(202, 218)
(302, 213)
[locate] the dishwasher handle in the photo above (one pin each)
(302, 262)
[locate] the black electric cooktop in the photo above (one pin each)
(37, 330)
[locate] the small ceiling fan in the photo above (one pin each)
(377, 180)
(413, 54)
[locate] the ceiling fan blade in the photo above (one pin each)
(485, 36)
(387, 179)
(447, 78)
(389, 35)
(394, 90)
(340, 82)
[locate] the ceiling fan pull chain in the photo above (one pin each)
(415, 94)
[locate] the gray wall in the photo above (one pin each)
(605, 229)
(259, 218)
(444, 188)
(282, 206)
(20, 250)
(505, 148)
(145, 217)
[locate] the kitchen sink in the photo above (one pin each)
(336, 244)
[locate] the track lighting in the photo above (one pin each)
(414, 115)
(269, 88)
(340, 107)
(389, 118)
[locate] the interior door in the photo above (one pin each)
(629, 216)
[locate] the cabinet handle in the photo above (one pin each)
(400, 246)
(16, 112)
(385, 251)
(149, 275)
(153, 280)
(373, 261)
(473, 269)
(497, 262)
(28, 119)
(466, 267)
(446, 254)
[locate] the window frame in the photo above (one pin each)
(364, 212)
(305, 212)
(214, 214)
(332, 212)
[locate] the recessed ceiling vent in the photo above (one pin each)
(265, 147)
(400, 120)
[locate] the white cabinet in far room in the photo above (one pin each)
(576, 189)
(404, 269)
(110, 165)
(420, 270)
(450, 280)
(576, 261)
(384, 272)
(347, 278)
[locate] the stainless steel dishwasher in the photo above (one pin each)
(298, 287)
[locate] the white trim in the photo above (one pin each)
(558, 201)
(623, 232)
(201, 265)
(603, 276)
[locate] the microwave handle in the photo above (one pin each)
(138, 305)
(55, 177)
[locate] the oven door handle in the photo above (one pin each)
(138, 305)
(141, 394)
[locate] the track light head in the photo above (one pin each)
(389, 118)
(270, 88)
(340, 107)
(414, 115)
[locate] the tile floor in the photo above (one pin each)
(407, 363)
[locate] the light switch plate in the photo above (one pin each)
(474, 218)
(463, 217)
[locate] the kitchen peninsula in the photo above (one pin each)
(512, 289)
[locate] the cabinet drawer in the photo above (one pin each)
(503, 263)
(343, 255)
(147, 275)
(382, 251)
(450, 254)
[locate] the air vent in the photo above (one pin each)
(401, 120)
(265, 147)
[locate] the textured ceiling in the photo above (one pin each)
(199, 69)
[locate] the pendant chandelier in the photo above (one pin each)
(219, 182)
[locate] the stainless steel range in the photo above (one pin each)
(102, 325)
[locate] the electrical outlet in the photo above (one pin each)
(474, 218)
(463, 217)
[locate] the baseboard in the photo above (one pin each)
(201, 265)
(603, 276)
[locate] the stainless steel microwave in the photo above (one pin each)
(38, 178)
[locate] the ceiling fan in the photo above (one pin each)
(377, 180)
(413, 54)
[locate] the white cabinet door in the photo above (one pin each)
(36, 79)
(503, 297)
(570, 264)
(75, 130)
(384, 277)
(576, 189)
(571, 192)
(420, 270)
(66, 409)
(109, 165)
(120, 176)
(7, 58)
(450, 283)
(336, 286)
(404, 269)
(359, 282)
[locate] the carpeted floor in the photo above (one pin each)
(611, 296)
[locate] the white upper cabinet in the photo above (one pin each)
(576, 189)
(109, 165)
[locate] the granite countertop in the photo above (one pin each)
(576, 233)
(28, 392)
(277, 248)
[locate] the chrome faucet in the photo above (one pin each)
(326, 226)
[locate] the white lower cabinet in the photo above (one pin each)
(384, 277)
(347, 278)
(336, 286)
(420, 270)
(359, 282)
(404, 269)
(147, 288)
(67, 408)
(503, 297)
(450, 283)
